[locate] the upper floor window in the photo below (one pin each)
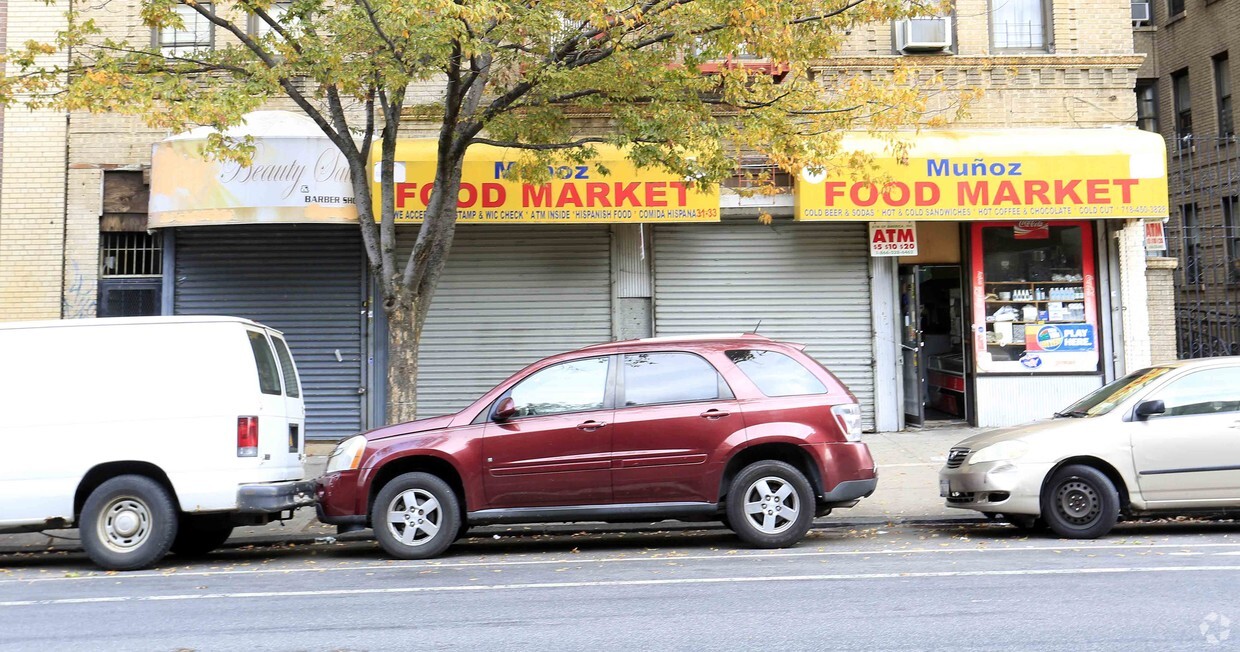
(1147, 105)
(196, 34)
(1231, 233)
(1222, 94)
(277, 12)
(1175, 8)
(1193, 272)
(1183, 104)
(1019, 24)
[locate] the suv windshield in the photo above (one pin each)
(1107, 397)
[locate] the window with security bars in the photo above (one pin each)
(130, 274)
(130, 253)
(1231, 235)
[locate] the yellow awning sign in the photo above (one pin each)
(577, 193)
(1013, 174)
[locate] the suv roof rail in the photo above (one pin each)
(684, 338)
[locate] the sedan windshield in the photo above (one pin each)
(1107, 397)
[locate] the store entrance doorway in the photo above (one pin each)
(932, 342)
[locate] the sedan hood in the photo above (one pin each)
(410, 427)
(1036, 430)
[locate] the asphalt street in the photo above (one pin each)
(1159, 586)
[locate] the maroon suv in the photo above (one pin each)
(743, 429)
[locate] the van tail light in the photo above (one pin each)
(848, 416)
(247, 436)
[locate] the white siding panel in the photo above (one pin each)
(806, 283)
(510, 295)
(1013, 400)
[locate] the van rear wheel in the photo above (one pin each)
(127, 523)
(199, 534)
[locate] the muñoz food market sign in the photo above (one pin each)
(575, 194)
(1040, 174)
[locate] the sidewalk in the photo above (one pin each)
(908, 491)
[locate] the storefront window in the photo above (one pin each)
(1034, 298)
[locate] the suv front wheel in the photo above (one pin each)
(416, 516)
(770, 504)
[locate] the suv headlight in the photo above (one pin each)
(347, 455)
(1004, 450)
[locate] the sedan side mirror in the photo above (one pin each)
(506, 410)
(1146, 409)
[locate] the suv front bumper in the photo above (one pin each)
(274, 497)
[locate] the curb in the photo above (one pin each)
(554, 529)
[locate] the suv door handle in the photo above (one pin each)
(714, 414)
(591, 425)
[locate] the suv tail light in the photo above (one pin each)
(848, 416)
(247, 436)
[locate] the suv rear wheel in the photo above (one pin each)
(416, 516)
(770, 504)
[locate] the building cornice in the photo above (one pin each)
(1132, 61)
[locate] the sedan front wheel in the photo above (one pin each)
(1080, 502)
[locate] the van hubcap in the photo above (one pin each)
(414, 517)
(125, 524)
(771, 505)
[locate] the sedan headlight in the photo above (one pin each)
(347, 456)
(1004, 450)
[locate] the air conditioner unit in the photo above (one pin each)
(924, 34)
(1140, 12)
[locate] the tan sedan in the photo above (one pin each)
(1163, 440)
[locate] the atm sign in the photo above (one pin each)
(893, 239)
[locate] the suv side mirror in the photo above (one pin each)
(1146, 409)
(506, 409)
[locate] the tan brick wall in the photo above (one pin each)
(1160, 287)
(32, 195)
(1089, 27)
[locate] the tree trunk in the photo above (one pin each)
(404, 336)
(407, 302)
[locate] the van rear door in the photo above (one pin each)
(280, 416)
(294, 404)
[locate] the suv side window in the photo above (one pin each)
(776, 374)
(268, 375)
(1204, 392)
(655, 378)
(573, 386)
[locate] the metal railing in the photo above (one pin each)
(1204, 235)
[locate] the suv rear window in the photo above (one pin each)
(268, 375)
(776, 374)
(287, 366)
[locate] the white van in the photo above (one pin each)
(148, 434)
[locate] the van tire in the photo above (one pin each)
(128, 523)
(199, 534)
(405, 495)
